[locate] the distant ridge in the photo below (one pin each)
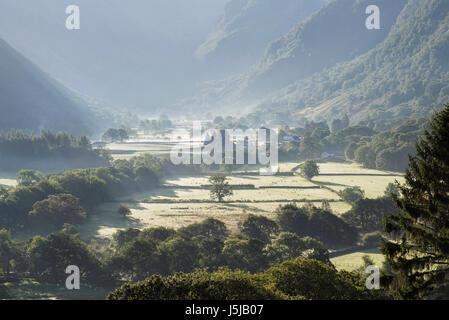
(31, 100)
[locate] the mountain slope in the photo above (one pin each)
(406, 76)
(31, 100)
(135, 54)
(246, 29)
(334, 34)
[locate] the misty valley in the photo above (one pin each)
(224, 150)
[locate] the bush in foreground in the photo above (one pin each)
(199, 285)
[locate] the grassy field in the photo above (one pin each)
(257, 181)
(180, 202)
(129, 150)
(339, 176)
(354, 260)
(156, 144)
(30, 289)
(8, 179)
(105, 220)
(287, 166)
(245, 195)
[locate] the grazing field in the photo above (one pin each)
(105, 220)
(338, 176)
(156, 144)
(132, 149)
(181, 201)
(257, 181)
(349, 168)
(246, 195)
(288, 166)
(354, 260)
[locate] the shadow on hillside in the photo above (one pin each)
(105, 219)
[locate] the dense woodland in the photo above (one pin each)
(49, 151)
(263, 247)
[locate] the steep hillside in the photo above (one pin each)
(406, 76)
(31, 100)
(334, 34)
(247, 27)
(135, 54)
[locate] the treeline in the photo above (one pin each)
(387, 150)
(154, 253)
(19, 149)
(115, 135)
(151, 126)
(90, 186)
(367, 215)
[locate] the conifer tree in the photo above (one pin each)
(418, 251)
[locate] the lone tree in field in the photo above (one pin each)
(124, 210)
(310, 169)
(220, 188)
(352, 194)
(419, 250)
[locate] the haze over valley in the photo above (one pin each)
(224, 150)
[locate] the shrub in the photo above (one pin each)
(372, 239)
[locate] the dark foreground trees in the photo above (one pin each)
(49, 257)
(367, 214)
(317, 223)
(258, 227)
(9, 251)
(419, 249)
(200, 285)
(294, 279)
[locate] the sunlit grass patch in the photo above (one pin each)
(353, 261)
(373, 182)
